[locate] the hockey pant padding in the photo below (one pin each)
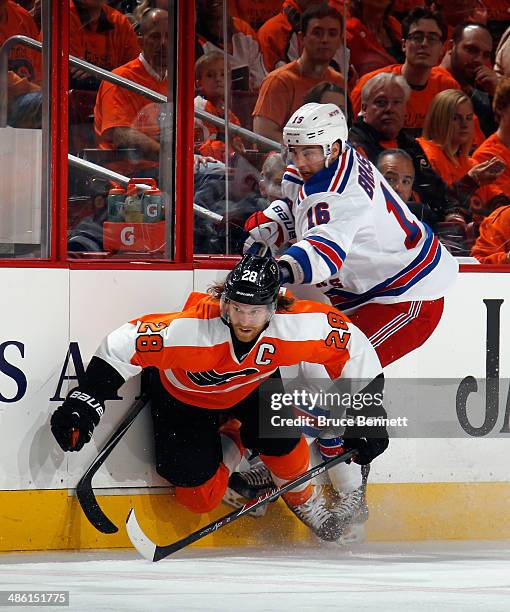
(207, 496)
(394, 330)
(289, 466)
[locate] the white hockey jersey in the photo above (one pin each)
(357, 240)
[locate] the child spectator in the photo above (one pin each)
(241, 44)
(270, 182)
(210, 82)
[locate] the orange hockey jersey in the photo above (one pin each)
(194, 353)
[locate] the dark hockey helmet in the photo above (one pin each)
(255, 280)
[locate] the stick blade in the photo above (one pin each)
(140, 541)
(92, 510)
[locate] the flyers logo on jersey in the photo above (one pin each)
(212, 378)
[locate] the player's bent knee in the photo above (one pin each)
(206, 496)
(181, 475)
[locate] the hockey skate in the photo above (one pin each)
(315, 515)
(248, 485)
(352, 509)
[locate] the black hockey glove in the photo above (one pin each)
(368, 434)
(367, 449)
(72, 423)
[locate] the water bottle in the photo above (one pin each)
(116, 197)
(133, 212)
(152, 206)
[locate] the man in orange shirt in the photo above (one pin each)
(100, 35)
(16, 20)
(123, 119)
(283, 90)
(279, 36)
(469, 61)
(498, 145)
(424, 36)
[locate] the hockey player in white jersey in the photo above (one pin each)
(353, 240)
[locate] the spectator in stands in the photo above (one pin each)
(397, 167)
(330, 93)
(271, 176)
(447, 138)
(469, 62)
(460, 11)
(279, 36)
(499, 143)
(493, 244)
(424, 36)
(374, 36)
(24, 102)
(242, 44)
(254, 12)
(283, 90)
(24, 95)
(16, 20)
(498, 18)
(146, 5)
(383, 106)
(502, 63)
(380, 127)
(100, 35)
(210, 82)
(123, 119)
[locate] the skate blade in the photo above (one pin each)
(353, 534)
(233, 499)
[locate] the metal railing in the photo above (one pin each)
(106, 75)
(106, 173)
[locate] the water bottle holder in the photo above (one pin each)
(139, 237)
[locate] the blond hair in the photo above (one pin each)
(439, 122)
(206, 60)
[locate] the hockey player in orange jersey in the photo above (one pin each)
(212, 359)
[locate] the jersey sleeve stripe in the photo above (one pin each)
(330, 252)
(301, 256)
(423, 264)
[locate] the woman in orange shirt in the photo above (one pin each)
(447, 141)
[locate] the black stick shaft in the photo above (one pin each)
(164, 551)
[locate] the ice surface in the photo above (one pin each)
(438, 576)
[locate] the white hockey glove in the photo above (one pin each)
(273, 226)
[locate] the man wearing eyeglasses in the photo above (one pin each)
(424, 36)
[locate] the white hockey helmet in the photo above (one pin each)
(317, 124)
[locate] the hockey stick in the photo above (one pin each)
(84, 491)
(153, 552)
